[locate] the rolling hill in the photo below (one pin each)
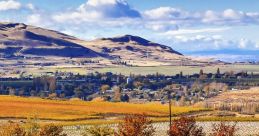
(29, 44)
(20, 40)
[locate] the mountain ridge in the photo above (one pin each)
(21, 40)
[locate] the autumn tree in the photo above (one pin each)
(52, 84)
(98, 131)
(104, 88)
(135, 125)
(137, 84)
(51, 130)
(31, 126)
(223, 129)
(185, 126)
(117, 93)
(12, 129)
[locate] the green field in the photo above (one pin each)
(166, 70)
(172, 70)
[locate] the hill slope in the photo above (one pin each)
(138, 51)
(32, 44)
(20, 39)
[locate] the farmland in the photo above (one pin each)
(187, 70)
(166, 70)
(75, 110)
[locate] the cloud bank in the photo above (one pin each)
(9, 5)
(184, 29)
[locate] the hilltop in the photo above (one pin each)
(24, 45)
(18, 39)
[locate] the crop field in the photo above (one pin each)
(76, 110)
(166, 70)
(172, 70)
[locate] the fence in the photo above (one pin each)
(244, 128)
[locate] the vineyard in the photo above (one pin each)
(76, 110)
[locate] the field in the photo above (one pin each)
(243, 101)
(187, 70)
(75, 110)
(167, 70)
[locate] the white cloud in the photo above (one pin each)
(34, 19)
(231, 14)
(187, 18)
(210, 43)
(9, 5)
(107, 17)
(194, 31)
(94, 10)
(247, 44)
(165, 13)
(30, 6)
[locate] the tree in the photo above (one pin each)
(201, 72)
(125, 98)
(138, 84)
(218, 72)
(185, 126)
(12, 129)
(31, 126)
(104, 88)
(52, 84)
(222, 129)
(117, 93)
(181, 74)
(51, 130)
(135, 125)
(79, 92)
(98, 131)
(12, 91)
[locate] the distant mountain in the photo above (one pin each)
(127, 39)
(227, 51)
(21, 39)
(230, 55)
(134, 48)
(25, 41)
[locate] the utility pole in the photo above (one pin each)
(170, 108)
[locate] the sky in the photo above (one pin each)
(226, 29)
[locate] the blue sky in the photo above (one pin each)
(188, 26)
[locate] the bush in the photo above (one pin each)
(51, 130)
(135, 125)
(12, 129)
(222, 129)
(185, 126)
(31, 126)
(98, 131)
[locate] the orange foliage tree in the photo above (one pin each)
(223, 129)
(135, 125)
(185, 126)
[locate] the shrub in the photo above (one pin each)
(185, 126)
(12, 129)
(98, 131)
(222, 129)
(135, 125)
(31, 126)
(51, 130)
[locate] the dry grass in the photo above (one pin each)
(19, 107)
(167, 70)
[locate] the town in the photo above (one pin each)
(182, 89)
